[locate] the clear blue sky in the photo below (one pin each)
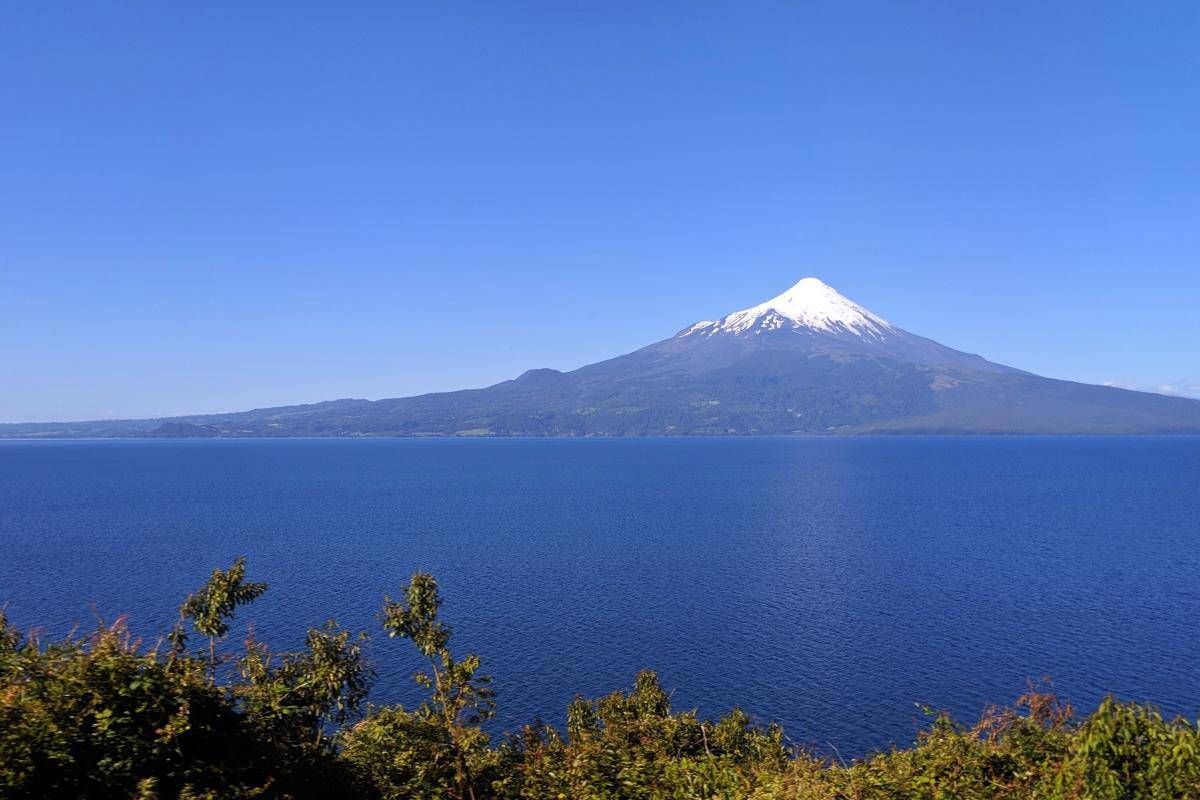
(216, 206)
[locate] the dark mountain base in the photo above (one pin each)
(770, 392)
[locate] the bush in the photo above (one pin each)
(101, 716)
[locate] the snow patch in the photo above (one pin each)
(809, 304)
(696, 327)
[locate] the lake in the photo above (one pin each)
(831, 584)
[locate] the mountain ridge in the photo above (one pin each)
(807, 361)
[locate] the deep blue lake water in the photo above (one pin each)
(830, 584)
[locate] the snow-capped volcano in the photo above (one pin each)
(811, 304)
(814, 318)
(808, 361)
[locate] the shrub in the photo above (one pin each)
(101, 716)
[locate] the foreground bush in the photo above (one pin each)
(102, 716)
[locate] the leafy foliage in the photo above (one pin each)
(212, 607)
(438, 744)
(102, 716)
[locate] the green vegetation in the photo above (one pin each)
(102, 716)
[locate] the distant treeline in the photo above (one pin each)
(100, 716)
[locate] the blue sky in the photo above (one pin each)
(218, 206)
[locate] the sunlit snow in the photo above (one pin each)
(809, 304)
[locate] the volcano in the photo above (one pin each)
(808, 361)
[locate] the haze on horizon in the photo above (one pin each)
(386, 201)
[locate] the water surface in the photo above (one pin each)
(830, 583)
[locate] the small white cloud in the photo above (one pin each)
(1174, 388)
(1181, 388)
